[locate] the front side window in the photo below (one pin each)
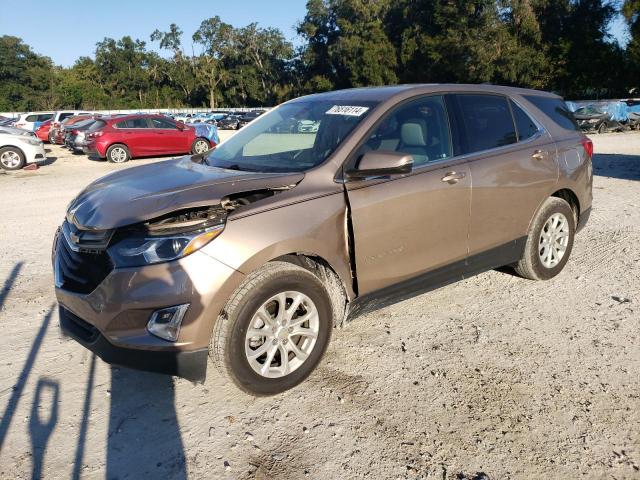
(31, 118)
(419, 128)
(291, 138)
(487, 121)
(44, 117)
(162, 123)
(527, 128)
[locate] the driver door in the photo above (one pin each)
(411, 231)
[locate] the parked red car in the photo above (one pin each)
(42, 132)
(121, 138)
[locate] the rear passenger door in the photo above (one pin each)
(513, 166)
(411, 231)
(137, 136)
(168, 138)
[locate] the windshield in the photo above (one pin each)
(590, 110)
(291, 138)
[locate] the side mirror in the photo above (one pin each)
(180, 125)
(381, 163)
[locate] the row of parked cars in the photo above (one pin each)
(223, 120)
(116, 138)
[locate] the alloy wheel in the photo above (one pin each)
(282, 334)
(201, 146)
(554, 239)
(10, 159)
(118, 155)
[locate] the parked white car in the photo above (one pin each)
(18, 150)
(16, 131)
(32, 120)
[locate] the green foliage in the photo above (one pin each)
(558, 45)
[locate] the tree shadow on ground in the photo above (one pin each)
(625, 167)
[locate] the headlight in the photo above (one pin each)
(147, 250)
(31, 141)
(594, 120)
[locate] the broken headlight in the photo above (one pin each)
(166, 239)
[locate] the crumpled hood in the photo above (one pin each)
(145, 192)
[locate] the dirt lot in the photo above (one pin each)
(496, 374)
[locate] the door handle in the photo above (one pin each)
(538, 155)
(453, 177)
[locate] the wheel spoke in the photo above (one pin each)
(267, 363)
(284, 360)
(261, 350)
(259, 332)
(297, 352)
(304, 332)
(294, 306)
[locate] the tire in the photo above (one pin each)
(231, 346)
(51, 139)
(118, 153)
(603, 128)
(11, 158)
(200, 146)
(535, 264)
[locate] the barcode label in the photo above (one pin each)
(352, 111)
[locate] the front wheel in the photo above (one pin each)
(274, 329)
(549, 242)
(118, 153)
(12, 158)
(200, 145)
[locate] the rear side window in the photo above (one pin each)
(65, 115)
(133, 123)
(556, 110)
(44, 117)
(98, 124)
(162, 123)
(526, 127)
(487, 121)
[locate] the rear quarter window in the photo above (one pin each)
(555, 109)
(527, 128)
(31, 118)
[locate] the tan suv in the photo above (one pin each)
(252, 253)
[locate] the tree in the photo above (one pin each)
(218, 40)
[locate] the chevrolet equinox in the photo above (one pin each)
(250, 254)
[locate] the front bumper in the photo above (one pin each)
(33, 153)
(191, 365)
(115, 314)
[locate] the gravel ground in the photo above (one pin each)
(496, 374)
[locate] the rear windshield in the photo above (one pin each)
(97, 125)
(556, 110)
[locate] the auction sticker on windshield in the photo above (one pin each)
(352, 111)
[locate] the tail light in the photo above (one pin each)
(56, 124)
(588, 146)
(95, 134)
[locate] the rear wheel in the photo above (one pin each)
(11, 158)
(274, 329)
(200, 145)
(118, 153)
(549, 242)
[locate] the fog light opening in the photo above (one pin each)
(165, 323)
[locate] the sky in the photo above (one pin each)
(67, 29)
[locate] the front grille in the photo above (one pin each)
(81, 272)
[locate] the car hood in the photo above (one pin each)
(142, 193)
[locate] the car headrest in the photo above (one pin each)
(414, 133)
